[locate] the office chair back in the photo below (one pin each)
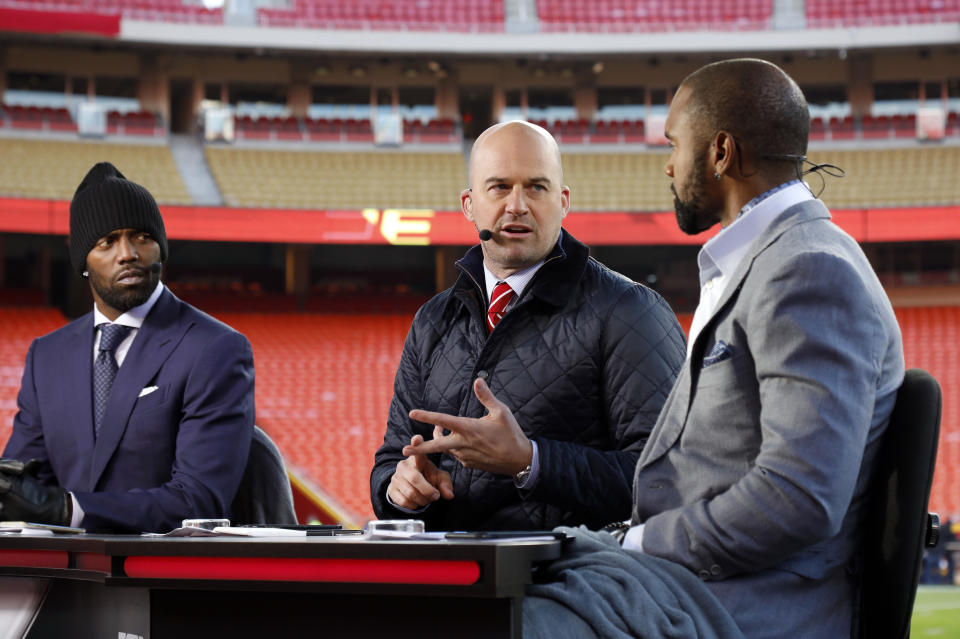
(898, 524)
(264, 496)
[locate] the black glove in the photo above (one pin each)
(24, 498)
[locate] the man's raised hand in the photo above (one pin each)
(494, 443)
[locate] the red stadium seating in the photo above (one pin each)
(418, 15)
(875, 127)
(267, 128)
(134, 123)
(953, 123)
(323, 130)
(931, 340)
(904, 126)
(842, 128)
(324, 383)
(830, 13)
(818, 129)
(653, 15)
(39, 118)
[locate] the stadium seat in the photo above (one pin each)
(264, 495)
(898, 525)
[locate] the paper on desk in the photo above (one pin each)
(31, 528)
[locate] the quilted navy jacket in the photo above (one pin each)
(585, 360)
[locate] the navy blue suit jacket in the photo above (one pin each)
(177, 452)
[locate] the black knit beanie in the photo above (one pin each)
(106, 201)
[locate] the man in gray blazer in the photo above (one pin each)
(755, 476)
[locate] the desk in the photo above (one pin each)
(159, 588)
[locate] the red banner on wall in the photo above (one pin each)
(421, 227)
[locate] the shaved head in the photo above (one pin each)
(756, 102)
(516, 131)
(516, 195)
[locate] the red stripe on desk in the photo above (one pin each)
(33, 558)
(381, 571)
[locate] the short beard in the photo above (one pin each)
(692, 216)
(123, 299)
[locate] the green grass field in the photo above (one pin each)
(936, 612)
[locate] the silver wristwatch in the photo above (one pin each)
(521, 476)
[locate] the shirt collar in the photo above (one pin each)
(518, 281)
(135, 316)
(721, 255)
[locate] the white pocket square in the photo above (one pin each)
(147, 390)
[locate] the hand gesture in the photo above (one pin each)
(417, 482)
(494, 443)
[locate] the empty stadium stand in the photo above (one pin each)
(52, 169)
(617, 181)
(653, 15)
(419, 15)
(893, 176)
(907, 176)
(931, 340)
(829, 13)
(325, 180)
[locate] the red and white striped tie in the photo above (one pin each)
(502, 294)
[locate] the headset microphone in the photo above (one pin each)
(156, 267)
(485, 235)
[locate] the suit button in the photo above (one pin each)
(483, 375)
(704, 574)
(715, 569)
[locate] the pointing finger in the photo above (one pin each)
(449, 422)
(419, 461)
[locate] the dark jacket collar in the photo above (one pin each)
(563, 266)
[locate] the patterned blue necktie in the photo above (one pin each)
(105, 369)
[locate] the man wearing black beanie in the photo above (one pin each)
(139, 414)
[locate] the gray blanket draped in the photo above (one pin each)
(597, 589)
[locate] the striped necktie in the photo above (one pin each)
(502, 294)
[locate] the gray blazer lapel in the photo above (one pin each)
(673, 417)
(155, 341)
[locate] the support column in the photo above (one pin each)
(445, 271)
(297, 272)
